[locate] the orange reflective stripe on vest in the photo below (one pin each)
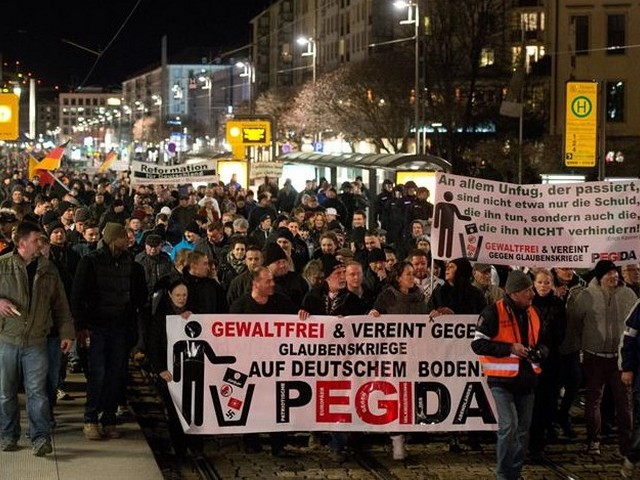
(509, 332)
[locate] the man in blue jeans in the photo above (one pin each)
(32, 302)
(509, 340)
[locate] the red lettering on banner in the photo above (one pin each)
(390, 407)
(268, 329)
(324, 401)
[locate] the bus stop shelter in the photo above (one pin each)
(389, 163)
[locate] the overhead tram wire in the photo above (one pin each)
(102, 52)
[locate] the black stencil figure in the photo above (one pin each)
(188, 362)
(444, 219)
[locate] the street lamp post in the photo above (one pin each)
(207, 85)
(249, 72)
(413, 17)
(311, 52)
(157, 99)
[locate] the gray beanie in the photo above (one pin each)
(82, 214)
(517, 281)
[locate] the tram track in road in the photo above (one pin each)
(204, 467)
(368, 462)
(560, 472)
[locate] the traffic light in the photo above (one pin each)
(9, 115)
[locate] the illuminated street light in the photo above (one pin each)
(311, 52)
(249, 72)
(207, 84)
(413, 17)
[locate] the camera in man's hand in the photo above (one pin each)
(535, 354)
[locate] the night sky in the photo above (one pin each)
(33, 35)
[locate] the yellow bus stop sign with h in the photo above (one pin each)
(9, 115)
(581, 124)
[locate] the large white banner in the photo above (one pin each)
(572, 225)
(267, 373)
(143, 173)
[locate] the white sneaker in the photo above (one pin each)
(399, 447)
(627, 469)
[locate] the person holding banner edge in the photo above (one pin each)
(263, 299)
(173, 302)
(401, 296)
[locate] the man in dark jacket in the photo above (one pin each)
(333, 298)
(286, 198)
(156, 264)
(630, 363)
(382, 208)
(215, 244)
(241, 284)
(206, 295)
(108, 291)
(288, 283)
(263, 208)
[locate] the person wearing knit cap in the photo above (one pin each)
(273, 253)
(191, 237)
(288, 282)
(64, 206)
(113, 231)
(54, 225)
(109, 289)
(596, 314)
(81, 215)
(517, 281)
(510, 340)
(49, 217)
(332, 298)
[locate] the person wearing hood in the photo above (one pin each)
(457, 295)
(401, 297)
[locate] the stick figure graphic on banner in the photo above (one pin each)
(444, 217)
(189, 366)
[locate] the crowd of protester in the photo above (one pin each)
(129, 255)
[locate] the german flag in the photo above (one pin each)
(111, 157)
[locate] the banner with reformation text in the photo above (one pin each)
(151, 173)
(571, 224)
(267, 373)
